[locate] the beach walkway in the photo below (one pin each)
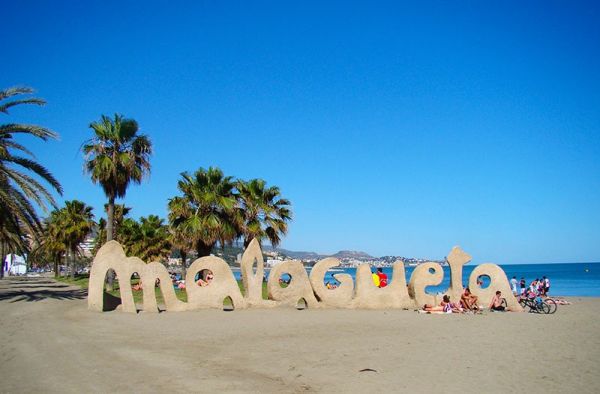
(51, 343)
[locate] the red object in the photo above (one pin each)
(382, 279)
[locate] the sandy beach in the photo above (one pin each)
(52, 343)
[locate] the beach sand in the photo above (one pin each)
(51, 343)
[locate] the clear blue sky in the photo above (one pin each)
(394, 128)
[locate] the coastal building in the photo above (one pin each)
(15, 265)
(87, 246)
(272, 262)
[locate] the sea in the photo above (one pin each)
(566, 279)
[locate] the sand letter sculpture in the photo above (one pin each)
(310, 291)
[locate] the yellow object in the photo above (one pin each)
(376, 280)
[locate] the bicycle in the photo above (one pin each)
(537, 305)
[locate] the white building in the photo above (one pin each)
(272, 262)
(88, 245)
(15, 265)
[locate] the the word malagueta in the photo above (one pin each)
(362, 294)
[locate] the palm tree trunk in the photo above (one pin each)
(203, 249)
(2, 257)
(72, 263)
(56, 266)
(110, 236)
(183, 263)
(110, 222)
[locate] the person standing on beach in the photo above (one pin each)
(513, 285)
(523, 286)
(546, 285)
(533, 287)
(383, 279)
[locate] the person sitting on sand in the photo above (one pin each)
(375, 279)
(383, 279)
(496, 304)
(469, 300)
(208, 277)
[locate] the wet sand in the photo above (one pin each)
(51, 343)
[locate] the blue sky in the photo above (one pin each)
(394, 128)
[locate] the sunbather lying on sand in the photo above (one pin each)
(559, 301)
(445, 306)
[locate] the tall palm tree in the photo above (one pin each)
(179, 212)
(264, 213)
(20, 192)
(116, 156)
(208, 218)
(119, 215)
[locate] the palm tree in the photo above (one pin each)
(152, 241)
(50, 245)
(64, 230)
(264, 213)
(116, 156)
(119, 215)
(77, 222)
(204, 212)
(20, 192)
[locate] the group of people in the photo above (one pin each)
(177, 281)
(139, 287)
(380, 278)
(538, 287)
(203, 278)
(469, 302)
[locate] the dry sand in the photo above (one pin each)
(51, 343)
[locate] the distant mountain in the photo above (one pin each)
(230, 254)
(301, 255)
(352, 254)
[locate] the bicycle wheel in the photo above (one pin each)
(529, 304)
(523, 302)
(553, 305)
(544, 307)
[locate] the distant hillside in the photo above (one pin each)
(301, 255)
(342, 254)
(352, 254)
(229, 253)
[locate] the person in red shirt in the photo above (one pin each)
(383, 279)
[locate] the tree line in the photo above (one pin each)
(210, 209)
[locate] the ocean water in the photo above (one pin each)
(572, 279)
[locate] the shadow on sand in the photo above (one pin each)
(38, 295)
(37, 289)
